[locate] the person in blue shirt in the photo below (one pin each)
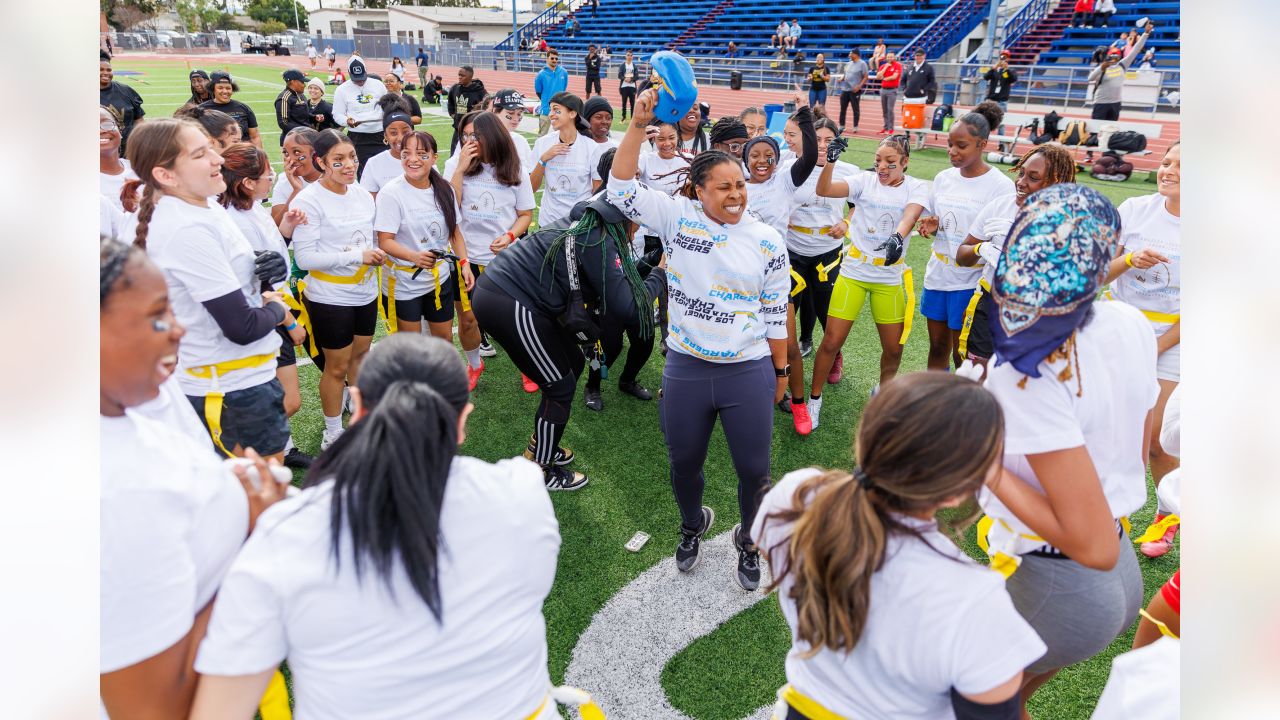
(550, 80)
(424, 66)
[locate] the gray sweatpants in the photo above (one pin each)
(888, 105)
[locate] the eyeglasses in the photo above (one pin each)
(735, 147)
(108, 126)
(469, 137)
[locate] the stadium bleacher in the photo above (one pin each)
(1076, 45)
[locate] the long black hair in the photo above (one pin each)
(325, 141)
(390, 468)
(442, 189)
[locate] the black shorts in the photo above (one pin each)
(287, 355)
(336, 326)
(424, 307)
(594, 82)
(251, 418)
(476, 272)
(980, 342)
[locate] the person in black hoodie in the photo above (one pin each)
(918, 80)
(592, 63)
(464, 96)
(526, 301)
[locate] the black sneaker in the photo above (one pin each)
(297, 459)
(487, 350)
(748, 562)
(562, 456)
(635, 390)
(593, 399)
(806, 348)
(784, 405)
(687, 552)
(558, 478)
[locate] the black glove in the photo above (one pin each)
(269, 267)
(836, 148)
(892, 249)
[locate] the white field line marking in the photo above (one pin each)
(620, 657)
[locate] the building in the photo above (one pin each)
(415, 25)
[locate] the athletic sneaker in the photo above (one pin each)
(687, 552)
(487, 350)
(815, 408)
(562, 456)
(473, 376)
(329, 439)
(806, 348)
(748, 575)
(635, 390)
(346, 400)
(297, 459)
(837, 370)
(784, 405)
(593, 399)
(800, 418)
(558, 478)
(527, 383)
(1156, 548)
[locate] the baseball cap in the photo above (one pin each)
(220, 76)
(678, 90)
(199, 73)
(358, 73)
(572, 102)
(1115, 51)
(294, 74)
(508, 100)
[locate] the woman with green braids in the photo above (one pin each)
(538, 299)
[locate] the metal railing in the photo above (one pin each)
(948, 28)
(1017, 25)
(538, 26)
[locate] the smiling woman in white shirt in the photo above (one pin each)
(172, 516)
(397, 584)
(338, 249)
(889, 618)
(727, 331)
(220, 290)
(396, 125)
(1076, 380)
(563, 158)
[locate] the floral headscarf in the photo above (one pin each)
(1059, 249)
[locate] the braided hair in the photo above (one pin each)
(726, 129)
(901, 142)
(115, 257)
(155, 144)
(700, 166)
(1060, 166)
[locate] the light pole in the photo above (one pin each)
(297, 24)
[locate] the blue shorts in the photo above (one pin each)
(946, 306)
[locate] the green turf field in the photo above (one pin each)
(737, 668)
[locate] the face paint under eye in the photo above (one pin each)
(336, 165)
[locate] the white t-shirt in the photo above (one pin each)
(204, 256)
(261, 232)
(524, 148)
(818, 212)
(596, 152)
(877, 211)
(956, 201)
(663, 175)
(357, 650)
(1144, 683)
(773, 200)
(936, 621)
(488, 208)
(172, 519)
(727, 284)
(339, 229)
(566, 178)
(380, 170)
(1146, 223)
(110, 185)
(172, 409)
(282, 190)
(311, 52)
(992, 225)
(1117, 373)
(111, 220)
(415, 218)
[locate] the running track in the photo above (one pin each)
(723, 101)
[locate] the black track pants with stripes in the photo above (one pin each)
(541, 349)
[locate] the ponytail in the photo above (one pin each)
(391, 467)
(146, 207)
(129, 194)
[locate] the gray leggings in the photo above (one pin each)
(1076, 611)
(694, 393)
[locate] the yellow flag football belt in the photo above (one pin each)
(213, 399)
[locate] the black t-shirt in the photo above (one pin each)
(414, 108)
(241, 113)
(818, 78)
(593, 66)
(125, 106)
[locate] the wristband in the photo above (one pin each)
(511, 237)
(462, 262)
(542, 162)
(1128, 259)
(290, 327)
(977, 249)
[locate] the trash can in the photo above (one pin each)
(769, 110)
(735, 80)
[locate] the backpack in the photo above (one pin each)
(939, 116)
(1075, 133)
(1127, 141)
(1111, 167)
(1051, 120)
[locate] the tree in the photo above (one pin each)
(199, 15)
(273, 27)
(124, 14)
(278, 10)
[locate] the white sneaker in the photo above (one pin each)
(815, 407)
(329, 439)
(487, 350)
(346, 400)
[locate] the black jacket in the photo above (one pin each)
(292, 112)
(522, 272)
(463, 100)
(919, 82)
(593, 66)
(125, 105)
(325, 108)
(999, 83)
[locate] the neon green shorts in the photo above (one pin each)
(888, 302)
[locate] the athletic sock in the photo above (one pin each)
(473, 358)
(797, 401)
(333, 424)
(815, 398)
(288, 445)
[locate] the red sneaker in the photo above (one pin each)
(800, 418)
(1156, 548)
(473, 376)
(837, 370)
(529, 385)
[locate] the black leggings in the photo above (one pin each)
(628, 96)
(638, 351)
(542, 350)
(367, 145)
(848, 98)
(694, 393)
(815, 299)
